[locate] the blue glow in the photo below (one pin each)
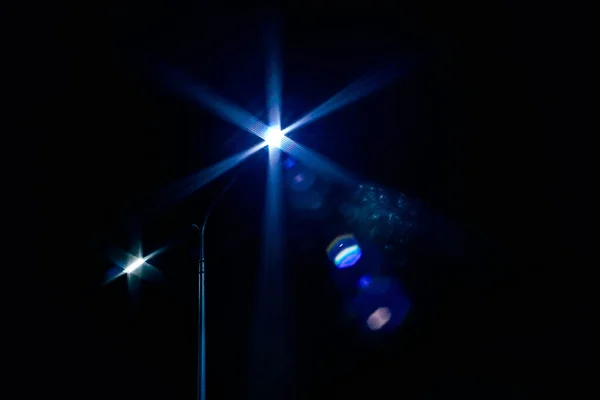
(289, 162)
(364, 282)
(348, 256)
(300, 179)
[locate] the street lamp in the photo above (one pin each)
(201, 383)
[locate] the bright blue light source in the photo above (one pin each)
(273, 136)
(344, 251)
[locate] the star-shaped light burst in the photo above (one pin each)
(273, 134)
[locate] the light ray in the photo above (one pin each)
(273, 79)
(270, 353)
(185, 187)
(353, 92)
(220, 106)
(314, 160)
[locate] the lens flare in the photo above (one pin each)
(344, 251)
(379, 318)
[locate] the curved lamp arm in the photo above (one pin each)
(202, 332)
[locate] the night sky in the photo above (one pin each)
(467, 131)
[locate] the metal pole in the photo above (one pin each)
(201, 323)
(201, 383)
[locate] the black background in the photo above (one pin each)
(471, 128)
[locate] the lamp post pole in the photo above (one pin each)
(201, 383)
